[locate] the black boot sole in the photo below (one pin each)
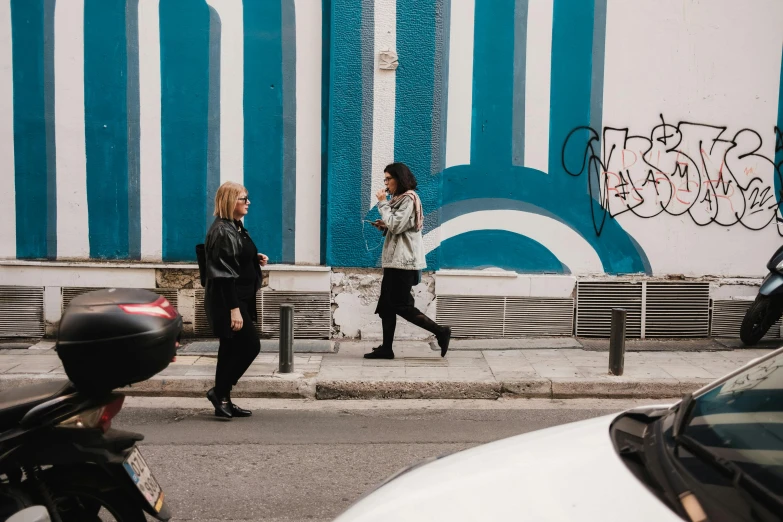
(379, 354)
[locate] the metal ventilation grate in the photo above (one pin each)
(535, 316)
(201, 327)
(472, 316)
(595, 300)
(727, 317)
(505, 317)
(69, 293)
(21, 311)
(312, 314)
(677, 309)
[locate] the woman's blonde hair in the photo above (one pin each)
(226, 199)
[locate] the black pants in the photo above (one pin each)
(235, 355)
(396, 299)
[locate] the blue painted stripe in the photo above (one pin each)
(491, 174)
(520, 73)
(441, 92)
(493, 83)
(184, 56)
(264, 124)
(213, 114)
(482, 249)
(344, 244)
(368, 88)
(326, 65)
(30, 126)
(417, 102)
(779, 141)
(106, 127)
(571, 101)
(49, 117)
(134, 129)
(288, 46)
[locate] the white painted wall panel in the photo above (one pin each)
(308, 131)
(460, 93)
(73, 239)
(151, 176)
(232, 73)
(715, 63)
(384, 95)
(7, 169)
(538, 82)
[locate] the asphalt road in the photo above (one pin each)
(308, 461)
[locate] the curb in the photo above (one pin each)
(407, 389)
(178, 386)
(309, 387)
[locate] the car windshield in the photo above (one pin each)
(741, 421)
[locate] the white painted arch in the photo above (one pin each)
(568, 246)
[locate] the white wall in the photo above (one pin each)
(715, 63)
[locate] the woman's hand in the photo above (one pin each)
(262, 259)
(381, 195)
(379, 224)
(236, 319)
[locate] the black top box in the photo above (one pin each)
(112, 338)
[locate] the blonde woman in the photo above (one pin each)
(233, 276)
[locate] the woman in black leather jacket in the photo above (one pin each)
(233, 276)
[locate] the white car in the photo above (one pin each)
(715, 455)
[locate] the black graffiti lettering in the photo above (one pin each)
(759, 199)
(709, 174)
(651, 177)
(708, 198)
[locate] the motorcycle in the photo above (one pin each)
(57, 446)
(768, 306)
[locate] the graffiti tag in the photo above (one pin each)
(691, 169)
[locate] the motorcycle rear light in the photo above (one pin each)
(159, 308)
(99, 418)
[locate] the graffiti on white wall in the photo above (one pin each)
(705, 171)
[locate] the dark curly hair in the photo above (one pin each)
(402, 174)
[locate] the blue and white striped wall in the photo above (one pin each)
(487, 95)
(120, 118)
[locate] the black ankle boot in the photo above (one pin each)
(443, 340)
(379, 353)
(222, 406)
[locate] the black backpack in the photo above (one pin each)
(201, 257)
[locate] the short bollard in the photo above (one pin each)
(286, 339)
(617, 342)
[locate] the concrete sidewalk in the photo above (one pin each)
(418, 372)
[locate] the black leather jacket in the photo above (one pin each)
(219, 261)
(222, 246)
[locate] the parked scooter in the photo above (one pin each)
(768, 306)
(57, 446)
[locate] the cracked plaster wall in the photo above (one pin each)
(354, 296)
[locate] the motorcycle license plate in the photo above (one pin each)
(141, 475)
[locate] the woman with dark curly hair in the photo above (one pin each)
(402, 259)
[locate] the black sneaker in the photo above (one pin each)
(379, 353)
(443, 341)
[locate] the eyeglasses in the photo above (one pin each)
(244, 199)
(386, 180)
